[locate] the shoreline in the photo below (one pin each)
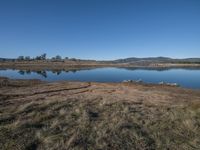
(103, 115)
(70, 65)
(12, 82)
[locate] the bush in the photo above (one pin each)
(20, 58)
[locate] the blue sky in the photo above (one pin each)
(100, 29)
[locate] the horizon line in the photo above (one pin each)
(105, 59)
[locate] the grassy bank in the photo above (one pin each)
(76, 115)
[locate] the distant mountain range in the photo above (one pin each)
(157, 60)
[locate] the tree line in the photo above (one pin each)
(44, 57)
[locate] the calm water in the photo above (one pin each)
(189, 78)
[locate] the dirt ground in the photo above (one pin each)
(83, 115)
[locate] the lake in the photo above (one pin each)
(189, 78)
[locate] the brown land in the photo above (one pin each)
(38, 65)
(82, 115)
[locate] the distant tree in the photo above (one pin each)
(27, 58)
(66, 58)
(37, 58)
(58, 57)
(53, 58)
(43, 56)
(73, 59)
(2, 59)
(20, 58)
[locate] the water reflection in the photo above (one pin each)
(44, 73)
(187, 77)
(159, 68)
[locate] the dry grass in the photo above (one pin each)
(99, 116)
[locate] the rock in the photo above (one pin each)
(169, 84)
(161, 83)
(131, 81)
(126, 81)
(139, 81)
(172, 84)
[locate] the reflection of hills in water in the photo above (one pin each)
(112, 74)
(44, 73)
(159, 68)
(58, 72)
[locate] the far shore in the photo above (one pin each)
(78, 65)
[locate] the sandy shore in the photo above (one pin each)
(82, 115)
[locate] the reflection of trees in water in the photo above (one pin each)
(39, 72)
(74, 70)
(57, 72)
(43, 73)
(28, 72)
(22, 72)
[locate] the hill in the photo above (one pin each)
(157, 60)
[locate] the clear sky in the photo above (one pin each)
(100, 29)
